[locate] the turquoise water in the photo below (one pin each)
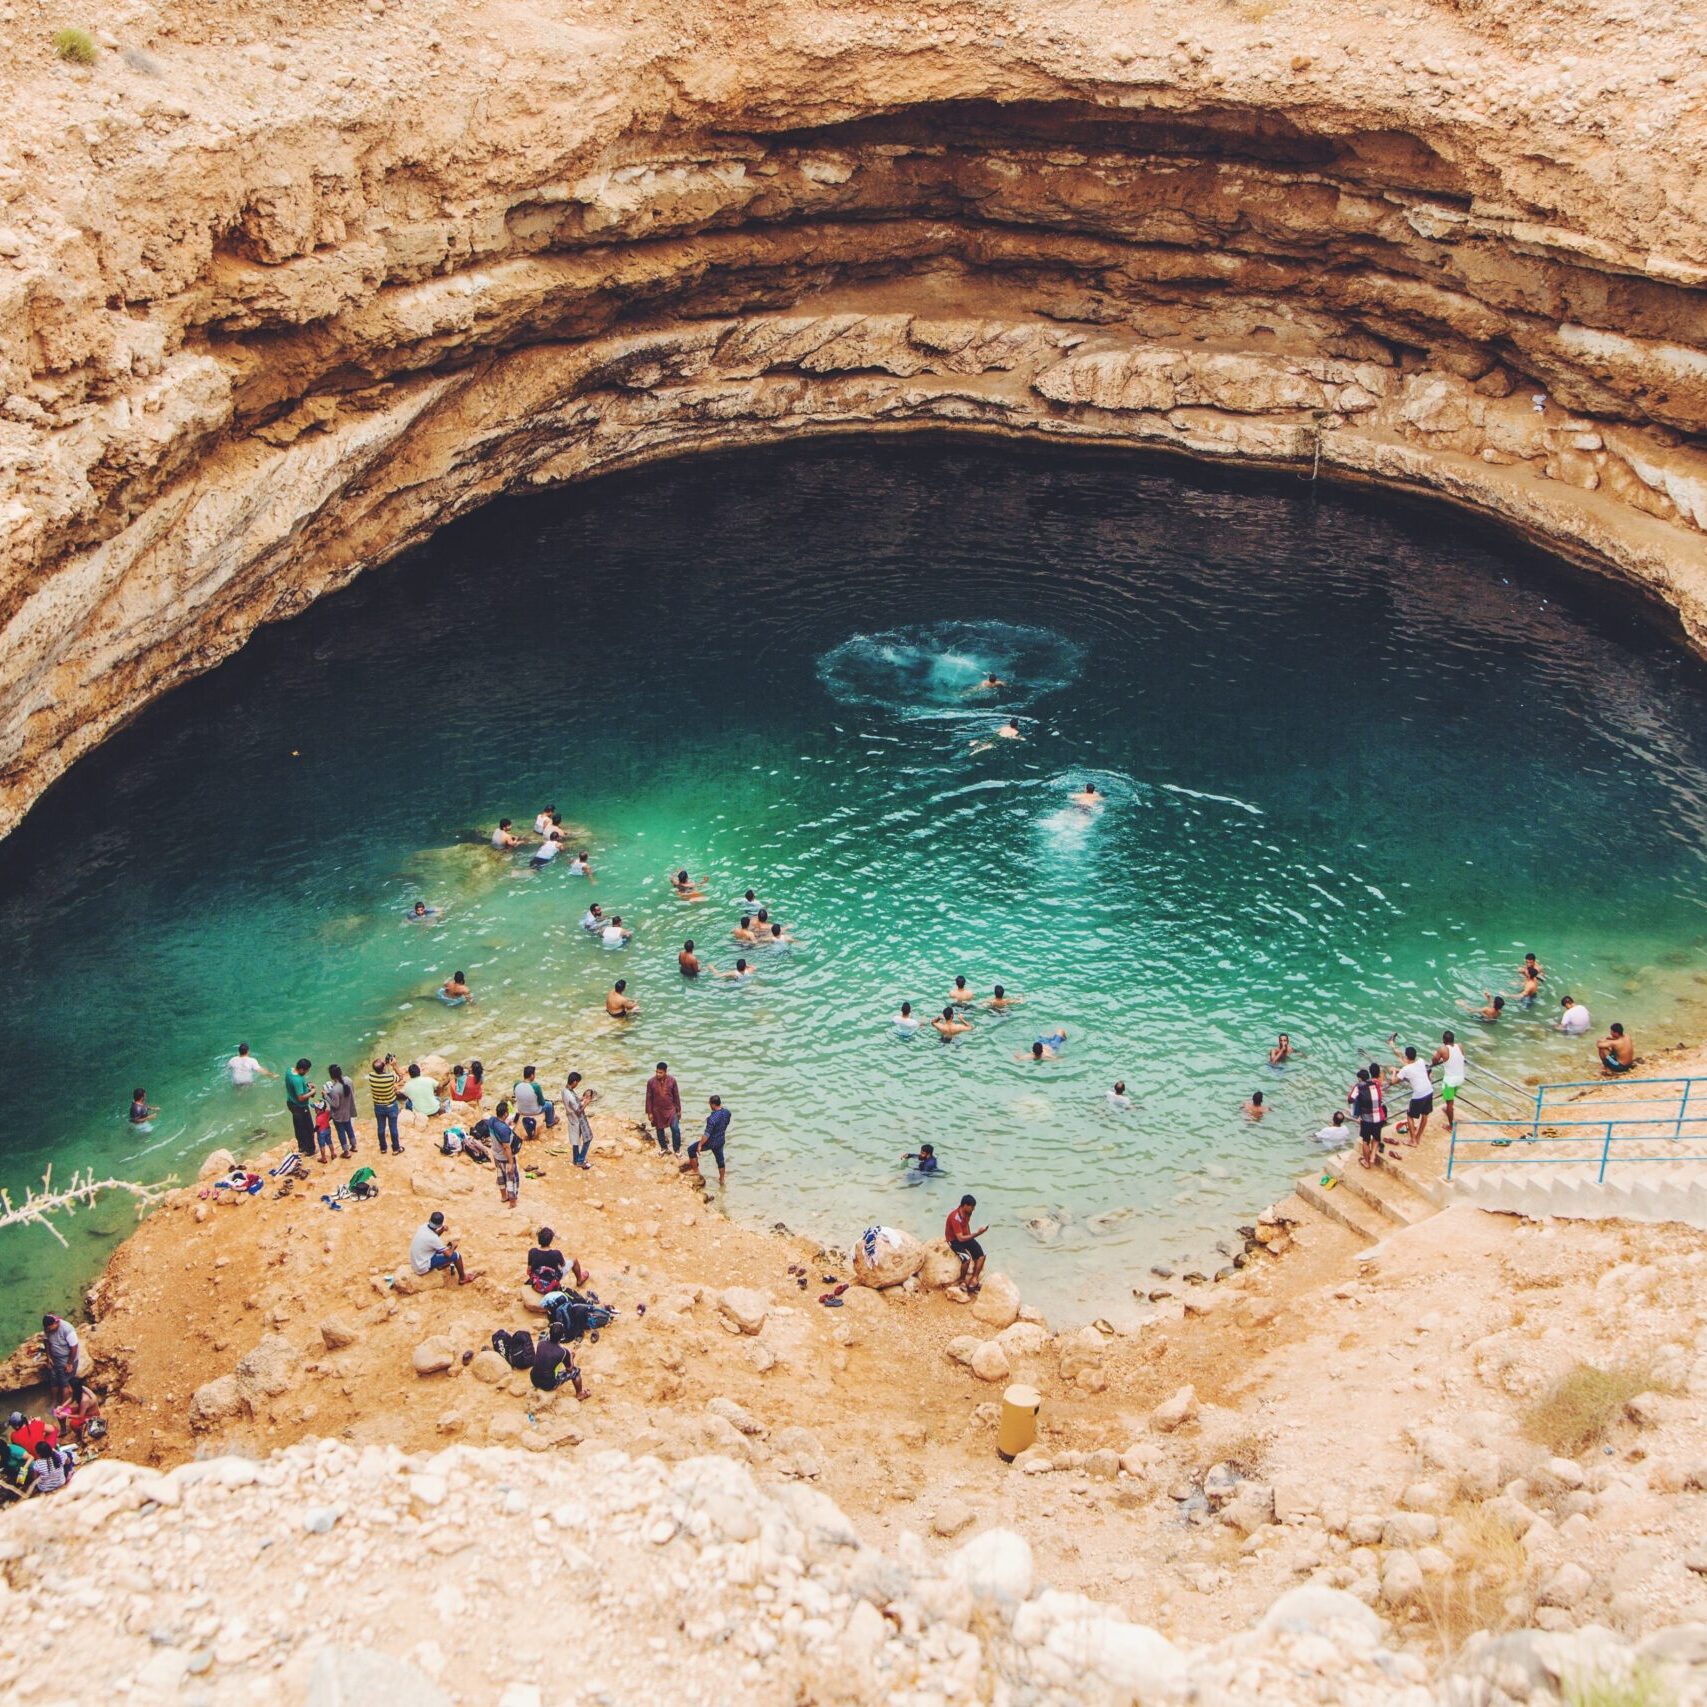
(1358, 757)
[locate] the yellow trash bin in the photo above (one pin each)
(1018, 1428)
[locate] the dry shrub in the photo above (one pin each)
(75, 46)
(1255, 11)
(1578, 1410)
(1641, 1686)
(1488, 1564)
(1247, 1451)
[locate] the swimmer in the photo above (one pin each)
(420, 913)
(616, 934)
(1493, 1007)
(950, 1024)
(1117, 1098)
(1046, 1048)
(992, 683)
(542, 822)
(1530, 977)
(1009, 731)
(685, 887)
(619, 1004)
(1000, 1001)
(547, 851)
(687, 961)
(593, 920)
(1334, 1136)
(779, 938)
(923, 1159)
(581, 865)
(1090, 798)
(1282, 1051)
(456, 988)
(504, 838)
(906, 1020)
(1256, 1108)
(741, 973)
(743, 932)
(141, 1109)
(960, 996)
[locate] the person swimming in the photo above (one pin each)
(924, 1160)
(141, 1109)
(1117, 1098)
(593, 920)
(420, 913)
(1493, 1008)
(619, 1004)
(906, 1020)
(1000, 1001)
(950, 1024)
(1046, 1048)
(1281, 1052)
(960, 995)
(687, 961)
(455, 990)
(616, 933)
(1089, 797)
(685, 887)
(504, 838)
(1256, 1108)
(741, 973)
(581, 865)
(1009, 731)
(743, 932)
(992, 683)
(779, 938)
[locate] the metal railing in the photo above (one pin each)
(1563, 1125)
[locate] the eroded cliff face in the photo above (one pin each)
(274, 307)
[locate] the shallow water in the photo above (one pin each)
(1358, 756)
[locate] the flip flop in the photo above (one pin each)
(829, 1279)
(839, 1290)
(830, 1303)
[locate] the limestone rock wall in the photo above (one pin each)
(275, 305)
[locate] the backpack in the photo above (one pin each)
(363, 1184)
(453, 1141)
(516, 1349)
(578, 1314)
(475, 1150)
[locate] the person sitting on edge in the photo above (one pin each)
(581, 865)
(1088, 796)
(619, 1004)
(687, 962)
(466, 1085)
(1493, 1006)
(243, 1067)
(420, 913)
(923, 1159)
(685, 887)
(81, 1418)
(420, 1093)
(1282, 1051)
(593, 920)
(532, 1104)
(616, 933)
(963, 1241)
(906, 1020)
(950, 1024)
(430, 1251)
(547, 851)
(547, 1263)
(716, 1130)
(1576, 1020)
(743, 932)
(742, 971)
(554, 1366)
(141, 1109)
(1617, 1052)
(455, 988)
(1256, 1108)
(504, 838)
(1117, 1098)
(1000, 1001)
(960, 996)
(1334, 1136)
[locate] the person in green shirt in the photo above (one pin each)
(298, 1099)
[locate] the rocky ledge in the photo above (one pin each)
(275, 305)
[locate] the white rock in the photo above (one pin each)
(1176, 1412)
(1316, 1608)
(359, 1677)
(1401, 1578)
(997, 1303)
(434, 1356)
(1567, 1587)
(743, 1308)
(996, 1566)
(990, 1362)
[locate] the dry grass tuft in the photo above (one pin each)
(1641, 1686)
(1488, 1565)
(75, 46)
(1246, 1451)
(1578, 1410)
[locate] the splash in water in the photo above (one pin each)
(938, 670)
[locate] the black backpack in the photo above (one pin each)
(516, 1349)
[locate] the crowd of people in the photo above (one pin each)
(40, 1453)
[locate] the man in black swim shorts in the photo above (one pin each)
(963, 1241)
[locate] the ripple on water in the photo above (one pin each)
(936, 670)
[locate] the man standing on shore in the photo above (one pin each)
(575, 1101)
(63, 1350)
(664, 1109)
(1450, 1059)
(382, 1087)
(716, 1130)
(298, 1099)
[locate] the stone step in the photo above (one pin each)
(1335, 1206)
(1376, 1188)
(1418, 1180)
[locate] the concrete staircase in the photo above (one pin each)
(1640, 1191)
(1370, 1202)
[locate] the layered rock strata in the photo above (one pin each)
(274, 308)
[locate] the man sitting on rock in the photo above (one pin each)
(430, 1251)
(546, 1264)
(964, 1243)
(553, 1366)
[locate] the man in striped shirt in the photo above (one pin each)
(382, 1086)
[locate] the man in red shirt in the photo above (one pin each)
(964, 1243)
(664, 1109)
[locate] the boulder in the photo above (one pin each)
(1176, 1412)
(996, 1566)
(454, 1179)
(1023, 1339)
(1316, 1609)
(268, 1370)
(1567, 1587)
(1401, 1578)
(489, 1367)
(742, 1309)
(216, 1402)
(736, 1415)
(433, 1067)
(337, 1333)
(997, 1302)
(218, 1163)
(532, 1300)
(1079, 1352)
(941, 1267)
(990, 1362)
(962, 1348)
(434, 1356)
(897, 1256)
(1103, 1465)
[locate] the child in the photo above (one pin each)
(323, 1129)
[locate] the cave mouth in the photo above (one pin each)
(1359, 753)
